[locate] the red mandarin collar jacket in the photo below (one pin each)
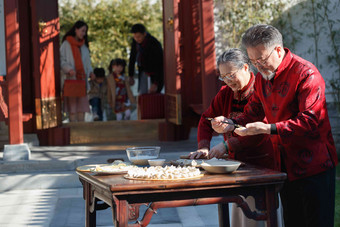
(257, 149)
(294, 100)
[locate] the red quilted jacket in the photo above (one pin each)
(257, 149)
(294, 100)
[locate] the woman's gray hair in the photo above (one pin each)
(262, 34)
(237, 57)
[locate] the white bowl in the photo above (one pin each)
(156, 162)
(141, 155)
(220, 166)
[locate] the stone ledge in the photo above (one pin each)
(33, 166)
(113, 131)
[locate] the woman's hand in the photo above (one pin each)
(200, 153)
(71, 74)
(92, 76)
(217, 151)
(254, 128)
(220, 127)
(153, 88)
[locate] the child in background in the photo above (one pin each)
(97, 93)
(119, 93)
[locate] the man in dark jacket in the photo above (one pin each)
(147, 53)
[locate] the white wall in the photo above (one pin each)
(305, 46)
(2, 40)
(301, 27)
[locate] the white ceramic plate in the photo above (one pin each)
(86, 168)
(220, 166)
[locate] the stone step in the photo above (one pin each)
(113, 131)
(32, 166)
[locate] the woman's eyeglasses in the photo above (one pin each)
(224, 77)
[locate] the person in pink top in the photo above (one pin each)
(290, 93)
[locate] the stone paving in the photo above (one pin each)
(52, 194)
(65, 207)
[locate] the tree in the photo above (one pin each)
(234, 17)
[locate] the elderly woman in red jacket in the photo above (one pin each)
(235, 71)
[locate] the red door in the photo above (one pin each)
(46, 66)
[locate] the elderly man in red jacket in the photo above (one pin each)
(290, 93)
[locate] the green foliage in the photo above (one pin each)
(292, 34)
(109, 24)
(233, 18)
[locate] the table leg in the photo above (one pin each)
(272, 205)
(122, 216)
(223, 214)
(90, 217)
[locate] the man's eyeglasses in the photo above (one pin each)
(261, 61)
(224, 77)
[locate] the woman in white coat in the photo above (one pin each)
(76, 65)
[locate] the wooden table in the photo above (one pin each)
(124, 196)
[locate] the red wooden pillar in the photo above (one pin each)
(13, 76)
(208, 57)
(200, 83)
(189, 63)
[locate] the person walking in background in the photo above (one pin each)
(98, 93)
(290, 92)
(147, 53)
(76, 65)
(119, 93)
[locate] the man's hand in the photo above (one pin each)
(254, 128)
(217, 151)
(200, 153)
(153, 88)
(220, 127)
